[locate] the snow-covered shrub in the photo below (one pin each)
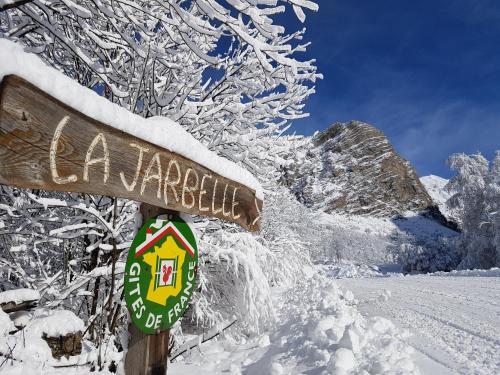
(232, 281)
(287, 228)
(359, 246)
(238, 269)
(441, 256)
(71, 248)
(313, 233)
(476, 195)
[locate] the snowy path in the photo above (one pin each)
(455, 321)
(319, 331)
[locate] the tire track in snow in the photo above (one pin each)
(434, 358)
(460, 328)
(452, 343)
(455, 321)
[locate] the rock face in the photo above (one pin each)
(67, 345)
(353, 168)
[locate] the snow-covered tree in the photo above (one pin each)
(476, 195)
(226, 72)
(70, 247)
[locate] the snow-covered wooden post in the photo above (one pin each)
(47, 144)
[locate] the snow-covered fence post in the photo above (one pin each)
(67, 149)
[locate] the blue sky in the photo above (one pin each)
(425, 72)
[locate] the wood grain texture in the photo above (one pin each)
(10, 307)
(91, 157)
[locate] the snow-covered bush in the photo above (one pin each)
(476, 195)
(232, 282)
(238, 269)
(316, 234)
(341, 238)
(415, 257)
(71, 248)
(357, 246)
(286, 230)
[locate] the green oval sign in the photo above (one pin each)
(160, 274)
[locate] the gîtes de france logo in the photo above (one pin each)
(160, 274)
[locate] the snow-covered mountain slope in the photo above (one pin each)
(372, 240)
(435, 186)
(352, 168)
(455, 319)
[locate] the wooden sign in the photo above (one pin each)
(45, 144)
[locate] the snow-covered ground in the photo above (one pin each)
(454, 318)
(357, 319)
(319, 331)
(436, 324)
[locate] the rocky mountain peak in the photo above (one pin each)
(353, 168)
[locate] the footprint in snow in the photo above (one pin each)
(384, 295)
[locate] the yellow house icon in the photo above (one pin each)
(166, 263)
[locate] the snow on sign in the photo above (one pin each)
(160, 274)
(46, 144)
